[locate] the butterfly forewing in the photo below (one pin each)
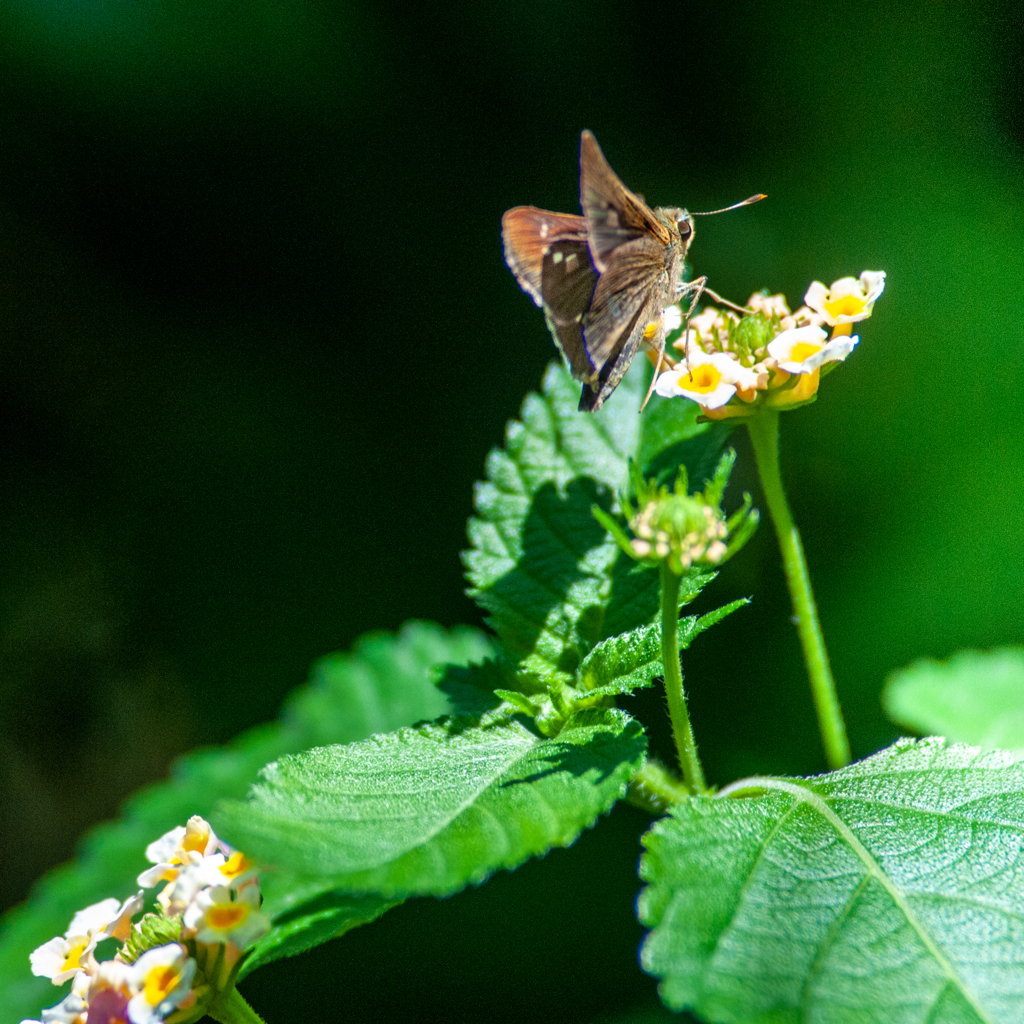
(601, 278)
(614, 215)
(621, 355)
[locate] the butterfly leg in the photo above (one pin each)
(695, 288)
(725, 302)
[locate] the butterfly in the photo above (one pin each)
(603, 278)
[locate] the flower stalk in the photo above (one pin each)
(231, 1008)
(764, 433)
(682, 730)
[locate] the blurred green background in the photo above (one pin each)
(258, 338)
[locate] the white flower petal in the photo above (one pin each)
(834, 352)
(48, 959)
(142, 1009)
(163, 849)
(873, 283)
(672, 319)
(95, 918)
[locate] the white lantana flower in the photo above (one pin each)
(72, 1009)
(235, 871)
(216, 917)
(181, 891)
(770, 305)
(803, 317)
(708, 380)
(709, 320)
(849, 300)
(804, 350)
(671, 319)
(159, 981)
(182, 845)
(62, 957)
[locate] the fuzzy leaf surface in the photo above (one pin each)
(432, 809)
(552, 581)
(891, 890)
(386, 683)
(632, 661)
(974, 697)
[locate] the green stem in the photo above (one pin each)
(230, 1008)
(764, 432)
(655, 789)
(686, 745)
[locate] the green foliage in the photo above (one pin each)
(431, 809)
(632, 661)
(385, 683)
(316, 921)
(890, 890)
(552, 581)
(974, 697)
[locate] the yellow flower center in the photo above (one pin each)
(223, 917)
(702, 379)
(195, 841)
(73, 958)
(803, 350)
(160, 983)
(846, 305)
(650, 330)
(236, 865)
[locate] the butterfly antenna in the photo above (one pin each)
(735, 206)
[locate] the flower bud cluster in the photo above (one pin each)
(679, 527)
(732, 366)
(173, 963)
(684, 531)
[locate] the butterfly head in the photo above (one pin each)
(680, 224)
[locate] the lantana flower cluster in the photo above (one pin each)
(733, 366)
(174, 962)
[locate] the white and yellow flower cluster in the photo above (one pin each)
(171, 963)
(732, 366)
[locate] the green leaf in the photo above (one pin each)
(892, 890)
(552, 580)
(470, 689)
(670, 437)
(431, 809)
(386, 683)
(633, 660)
(974, 697)
(316, 922)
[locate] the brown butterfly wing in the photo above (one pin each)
(624, 303)
(614, 215)
(527, 233)
(549, 255)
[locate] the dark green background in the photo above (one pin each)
(257, 337)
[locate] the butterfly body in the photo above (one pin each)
(602, 278)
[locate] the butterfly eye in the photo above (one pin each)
(685, 228)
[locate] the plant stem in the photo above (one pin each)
(764, 433)
(686, 745)
(654, 789)
(231, 1008)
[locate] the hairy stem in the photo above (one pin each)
(655, 789)
(686, 745)
(764, 432)
(231, 1008)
